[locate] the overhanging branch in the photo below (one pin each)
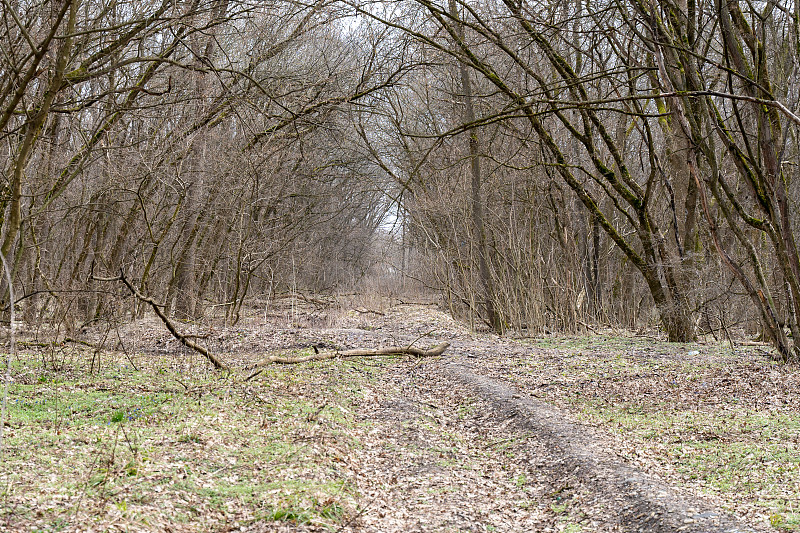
(184, 339)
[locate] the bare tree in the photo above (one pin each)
(733, 83)
(620, 201)
(192, 146)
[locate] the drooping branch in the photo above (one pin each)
(183, 339)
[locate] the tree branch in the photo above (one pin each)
(184, 339)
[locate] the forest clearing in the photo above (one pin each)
(698, 437)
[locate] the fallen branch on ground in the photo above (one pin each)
(368, 311)
(184, 339)
(393, 350)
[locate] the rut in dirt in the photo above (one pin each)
(616, 495)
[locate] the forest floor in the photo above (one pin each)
(611, 432)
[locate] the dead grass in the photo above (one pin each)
(724, 421)
(149, 439)
(160, 448)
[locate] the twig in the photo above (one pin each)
(313, 417)
(354, 517)
(368, 311)
(410, 344)
(125, 350)
(254, 374)
(77, 341)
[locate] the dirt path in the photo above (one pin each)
(460, 451)
(497, 435)
(484, 457)
(618, 495)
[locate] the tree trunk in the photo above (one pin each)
(487, 296)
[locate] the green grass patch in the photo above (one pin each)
(162, 445)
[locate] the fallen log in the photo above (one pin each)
(323, 356)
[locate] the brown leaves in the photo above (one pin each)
(727, 423)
